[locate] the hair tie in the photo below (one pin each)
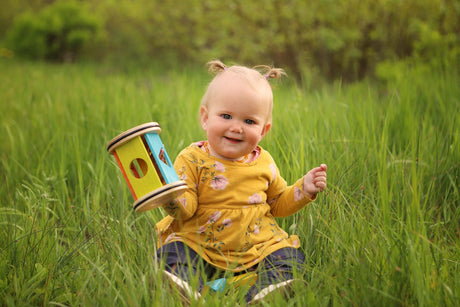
(267, 76)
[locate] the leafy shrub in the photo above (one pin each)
(340, 39)
(58, 32)
(315, 40)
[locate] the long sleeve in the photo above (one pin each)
(285, 200)
(185, 206)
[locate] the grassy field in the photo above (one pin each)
(385, 233)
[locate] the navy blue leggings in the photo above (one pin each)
(185, 263)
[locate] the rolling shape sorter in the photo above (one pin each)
(146, 167)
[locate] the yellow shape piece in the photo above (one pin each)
(247, 279)
(148, 178)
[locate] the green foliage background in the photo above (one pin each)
(311, 39)
(57, 32)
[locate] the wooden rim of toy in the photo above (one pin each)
(160, 196)
(132, 133)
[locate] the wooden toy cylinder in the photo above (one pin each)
(146, 167)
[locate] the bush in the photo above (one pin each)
(333, 39)
(312, 40)
(58, 32)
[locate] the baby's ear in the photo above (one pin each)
(204, 117)
(266, 128)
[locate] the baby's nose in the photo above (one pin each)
(236, 127)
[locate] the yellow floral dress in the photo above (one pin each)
(227, 213)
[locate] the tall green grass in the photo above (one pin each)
(386, 231)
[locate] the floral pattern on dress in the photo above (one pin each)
(210, 229)
(219, 182)
(219, 167)
(256, 229)
(227, 223)
(298, 194)
(274, 172)
(214, 217)
(255, 198)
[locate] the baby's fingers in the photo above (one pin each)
(320, 174)
(320, 180)
(321, 185)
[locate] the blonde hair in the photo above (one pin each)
(257, 77)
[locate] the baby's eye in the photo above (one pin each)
(226, 116)
(249, 121)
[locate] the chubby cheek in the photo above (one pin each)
(215, 128)
(255, 137)
(213, 132)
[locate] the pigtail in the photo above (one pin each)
(216, 66)
(275, 73)
(269, 72)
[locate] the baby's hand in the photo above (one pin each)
(315, 181)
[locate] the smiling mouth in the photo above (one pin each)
(232, 140)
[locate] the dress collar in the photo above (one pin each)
(204, 145)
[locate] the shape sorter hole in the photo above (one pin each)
(138, 168)
(161, 156)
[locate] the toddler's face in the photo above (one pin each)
(235, 119)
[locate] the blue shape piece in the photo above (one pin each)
(159, 152)
(217, 285)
